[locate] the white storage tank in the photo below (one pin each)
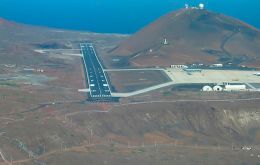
(235, 87)
(201, 6)
(207, 89)
(217, 88)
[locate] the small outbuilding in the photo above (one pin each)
(240, 87)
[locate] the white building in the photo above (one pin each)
(257, 74)
(179, 66)
(229, 87)
(216, 65)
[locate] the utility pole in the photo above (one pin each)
(91, 135)
(44, 149)
(90, 139)
(155, 145)
(218, 147)
(61, 146)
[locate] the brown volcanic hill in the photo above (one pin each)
(194, 35)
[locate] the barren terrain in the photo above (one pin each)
(45, 120)
(128, 81)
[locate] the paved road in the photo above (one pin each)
(97, 81)
(225, 41)
(143, 90)
(138, 69)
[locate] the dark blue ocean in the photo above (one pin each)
(114, 16)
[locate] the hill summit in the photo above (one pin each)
(193, 36)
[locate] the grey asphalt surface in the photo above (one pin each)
(98, 84)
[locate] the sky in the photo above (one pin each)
(114, 16)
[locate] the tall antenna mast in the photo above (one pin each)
(165, 41)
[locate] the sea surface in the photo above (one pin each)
(115, 16)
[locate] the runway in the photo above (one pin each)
(97, 80)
